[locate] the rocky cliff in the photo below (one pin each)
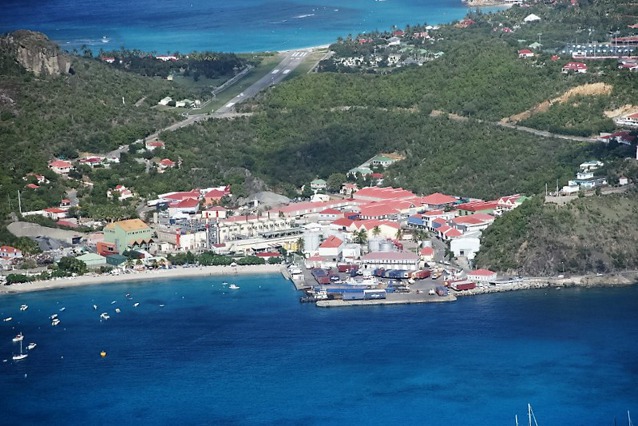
(35, 52)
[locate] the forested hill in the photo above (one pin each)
(591, 234)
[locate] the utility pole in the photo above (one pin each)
(19, 203)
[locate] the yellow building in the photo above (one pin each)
(128, 234)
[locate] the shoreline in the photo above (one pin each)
(159, 274)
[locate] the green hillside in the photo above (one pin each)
(592, 234)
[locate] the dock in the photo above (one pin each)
(299, 281)
(391, 299)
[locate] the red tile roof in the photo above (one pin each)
(390, 255)
(438, 199)
(185, 203)
(482, 272)
(331, 242)
(343, 221)
(331, 212)
(426, 251)
(384, 193)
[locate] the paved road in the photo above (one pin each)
(436, 113)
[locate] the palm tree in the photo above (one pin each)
(360, 237)
(376, 231)
(399, 234)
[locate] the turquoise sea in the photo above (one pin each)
(195, 352)
(230, 26)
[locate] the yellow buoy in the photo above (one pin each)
(103, 354)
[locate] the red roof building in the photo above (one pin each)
(525, 53)
(60, 167)
(481, 275)
(437, 201)
(166, 163)
(8, 252)
(577, 67)
(383, 194)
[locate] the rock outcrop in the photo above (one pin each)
(36, 53)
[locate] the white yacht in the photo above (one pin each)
(24, 307)
(104, 316)
(31, 346)
(18, 338)
(55, 321)
(233, 287)
(21, 355)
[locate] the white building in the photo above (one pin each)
(481, 276)
(390, 260)
(467, 245)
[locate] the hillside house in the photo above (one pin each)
(153, 145)
(574, 67)
(165, 164)
(531, 18)
(60, 167)
(525, 53)
(9, 253)
(318, 185)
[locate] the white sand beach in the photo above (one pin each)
(179, 272)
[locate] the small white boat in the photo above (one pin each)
(136, 304)
(53, 317)
(21, 355)
(18, 338)
(114, 302)
(55, 321)
(95, 307)
(31, 346)
(24, 307)
(62, 309)
(104, 316)
(117, 310)
(233, 287)
(7, 319)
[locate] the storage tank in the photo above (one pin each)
(311, 241)
(374, 244)
(386, 246)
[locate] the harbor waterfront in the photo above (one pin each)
(195, 351)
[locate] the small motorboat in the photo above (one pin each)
(104, 316)
(53, 317)
(136, 304)
(31, 346)
(21, 355)
(7, 319)
(55, 321)
(24, 307)
(95, 307)
(18, 338)
(117, 310)
(62, 309)
(233, 287)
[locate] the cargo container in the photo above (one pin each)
(317, 272)
(323, 280)
(378, 272)
(359, 295)
(347, 267)
(374, 294)
(462, 285)
(419, 275)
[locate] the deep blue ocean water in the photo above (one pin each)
(220, 25)
(256, 356)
